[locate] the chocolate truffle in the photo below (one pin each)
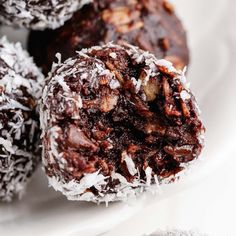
(149, 24)
(38, 14)
(116, 121)
(20, 89)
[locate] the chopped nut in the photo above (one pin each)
(123, 29)
(150, 5)
(123, 19)
(90, 169)
(164, 43)
(168, 6)
(150, 87)
(181, 153)
(166, 88)
(166, 174)
(32, 103)
(106, 145)
(177, 62)
(77, 139)
(166, 71)
(170, 107)
(76, 160)
(155, 128)
(104, 167)
(108, 102)
(185, 109)
(99, 135)
(132, 2)
(117, 16)
(103, 80)
(142, 108)
(117, 73)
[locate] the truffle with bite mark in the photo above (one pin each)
(116, 121)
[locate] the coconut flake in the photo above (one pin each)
(114, 84)
(49, 14)
(17, 71)
(113, 55)
(130, 165)
(148, 172)
(185, 95)
(175, 232)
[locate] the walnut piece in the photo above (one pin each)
(150, 87)
(108, 102)
(123, 19)
(77, 139)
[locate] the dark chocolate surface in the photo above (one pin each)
(150, 24)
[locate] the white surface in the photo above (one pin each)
(205, 199)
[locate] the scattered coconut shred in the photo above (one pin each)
(176, 232)
(39, 14)
(20, 85)
(79, 190)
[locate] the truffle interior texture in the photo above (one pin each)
(125, 125)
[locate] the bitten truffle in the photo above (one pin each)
(149, 24)
(116, 121)
(38, 14)
(20, 88)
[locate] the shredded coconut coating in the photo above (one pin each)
(20, 89)
(55, 164)
(177, 233)
(38, 14)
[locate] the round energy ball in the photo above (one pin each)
(116, 122)
(38, 14)
(149, 24)
(20, 89)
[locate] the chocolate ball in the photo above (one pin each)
(20, 89)
(38, 14)
(150, 24)
(116, 121)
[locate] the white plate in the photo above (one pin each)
(45, 212)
